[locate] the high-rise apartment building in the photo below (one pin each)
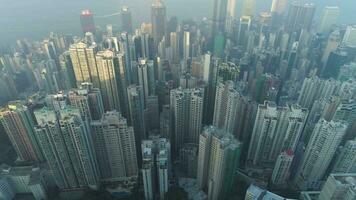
(321, 148)
(66, 144)
(281, 169)
(18, 125)
(155, 167)
(84, 63)
(218, 160)
(108, 65)
(315, 88)
(339, 187)
(276, 129)
(115, 148)
(187, 113)
(148, 172)
(226, 107)
(346, 160)
(88, 100)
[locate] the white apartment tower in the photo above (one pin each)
(114, 144)
(321, 148)
(276, 129)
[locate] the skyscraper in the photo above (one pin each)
(219, 16)
(136, 115)
(148, 173)
(87, 21)
(339, 187)
(315, 88)
(115, 148)
(346, 160)
(281, 169)
(66, 144)
(18, 125)
(244, 28)
(163, 164)
(350, 37)
(159, 21)
(321, 148)
(155, 167)
(186, 47)
(88, 100)
(146, 79)
(187, 113)
(108, 65)
(328, 19)
(300, 16)
(126, 19)
(230, 16)
(84, 63)
(226, 107)
(218, 160)
(276, 129)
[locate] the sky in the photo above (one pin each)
(36, 18)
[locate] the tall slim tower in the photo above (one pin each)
(219, 17)
(321, 148)
(146, 80)
(66, 144)
(218, 159)
(226, 107)
(84, 63)
(87, 21)
(136, 115)
(281, 169)
(148, 173)
(115, 148)
(126, 19)
(159, 21)
(108, 65)
(328, 19)
(18, 125)
(187, 113)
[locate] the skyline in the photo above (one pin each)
(214, 103)
(62, 16)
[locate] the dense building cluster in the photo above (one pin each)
(254, 106)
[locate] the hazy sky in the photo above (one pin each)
(35, 18)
